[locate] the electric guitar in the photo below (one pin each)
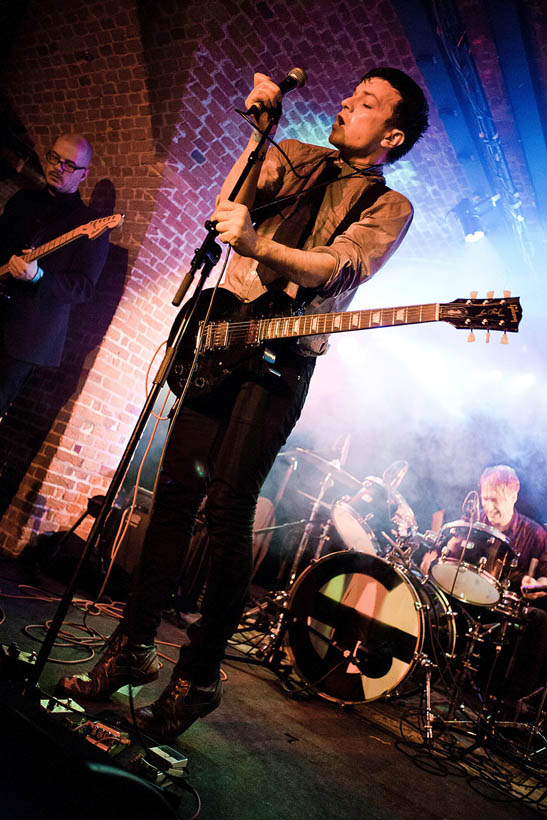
(91, 229)
(237, 332)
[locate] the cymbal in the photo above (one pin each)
(324, 466)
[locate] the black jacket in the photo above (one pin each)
(35, 318)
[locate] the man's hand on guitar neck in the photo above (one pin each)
(306, 268)
(20, 269)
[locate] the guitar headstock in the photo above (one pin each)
(483, 314)
(98, 226)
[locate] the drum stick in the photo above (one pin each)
(533, 566)
(536, 588)
(437, 521)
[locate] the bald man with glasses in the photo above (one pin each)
(38, 295)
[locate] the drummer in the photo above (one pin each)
(499, 488)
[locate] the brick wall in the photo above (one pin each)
(153, 85)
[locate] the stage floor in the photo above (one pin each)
(266, 753)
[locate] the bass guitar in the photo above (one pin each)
(91, 229)
(236, 331)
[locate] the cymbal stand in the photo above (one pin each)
(326, 484)
(323, 538)
(528, 754)
(270, 648)
(475, 634)
(486, 722)
(427, 664)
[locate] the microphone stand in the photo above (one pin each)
(205, 258)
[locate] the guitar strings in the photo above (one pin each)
(327, 322)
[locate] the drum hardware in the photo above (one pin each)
(271, 646)
(325, 485)
(535, 729)
(485, 726)
(314, 499)
(428, 665)
(397, 551)
(394, 474)
(323, 538)
(280, 526)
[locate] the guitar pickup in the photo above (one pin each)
(216, 335)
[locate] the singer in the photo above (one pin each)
(309, 226)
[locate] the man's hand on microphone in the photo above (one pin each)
(234, 227)
(266, 95)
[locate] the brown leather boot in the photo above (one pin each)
(178, 706)
(121, 663)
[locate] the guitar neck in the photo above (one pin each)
(316, 324)
(92, 230)
(43, 250)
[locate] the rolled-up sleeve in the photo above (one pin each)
(366, 245)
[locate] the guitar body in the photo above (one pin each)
(233, 326)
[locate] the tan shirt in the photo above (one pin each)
(359, 252)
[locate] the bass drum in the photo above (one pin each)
(357, 625)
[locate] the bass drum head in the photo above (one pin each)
(355, 626)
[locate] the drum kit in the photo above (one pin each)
(362, 620)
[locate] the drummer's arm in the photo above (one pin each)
(529, 581)
(452, 549)
(427, 560)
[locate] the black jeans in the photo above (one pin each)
(222, 446)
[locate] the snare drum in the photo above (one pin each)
(474, 563)
(357, 626)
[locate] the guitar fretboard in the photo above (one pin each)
(92, 229)
(223, 334)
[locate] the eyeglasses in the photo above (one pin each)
(65, 164)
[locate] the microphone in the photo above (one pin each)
(296, 78)
(470, 506)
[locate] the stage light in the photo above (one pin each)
(466, 212)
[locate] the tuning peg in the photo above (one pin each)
(473, 294)
(489, 294)
(507, 294)
(471, 337)
(504, 340)
(487, 337)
